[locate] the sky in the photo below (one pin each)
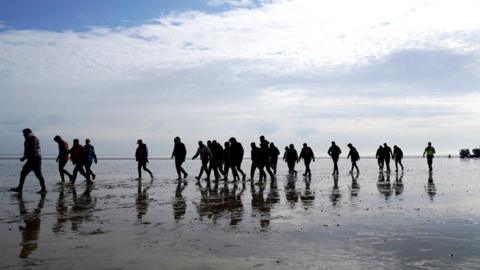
(361, 72)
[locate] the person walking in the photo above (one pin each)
(62, 158)
(141, 156)
(228, 162)
(265, 158)
(255, 156)
(354, 157)
(32, 154)
(90, 157)
(77, 156)
(387, 154)
(397, 156)
(179, 153)
(274, 153)
(334, 152)
(237, 155)
(307, 155)
(430, 153)
(380, 158)
(205, 156)
(292, 159)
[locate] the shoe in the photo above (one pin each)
(16, 190)
(197, 177)
(89, 183)
(243, 178)
(179, 178)
(42, 191)
(185, 175)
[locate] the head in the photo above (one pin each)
(395, 146)
(87, 141)
(253, 145)
(214, 142)
(429, 144)
(333, 143)
(350, 145)
(176, 140)
(227, 144)
(26, 132)
(209, 143)
(272, 145)
(380, 147)
(385, 144)
(75, 142)
(286, 148)
(200, 143)
(291, 146)
(233, 140)
(57, 138)
(304, 145)
(262, 138)
(139, 142)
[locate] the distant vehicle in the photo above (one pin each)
(465, 153)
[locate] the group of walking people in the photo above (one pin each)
(214, 158)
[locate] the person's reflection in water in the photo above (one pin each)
(431, 189)
(260, 206)
(141, 201)
(31, 229)
(355, 187)
(308, 196)
(290, 190)
(236, 206)
(62, 211)
(273, 196)
(398, 183)
(179, 203)
(82, 207)
(383, 185)
(335, 195)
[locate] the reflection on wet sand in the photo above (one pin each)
(260, 208)
(431, 189)
(383, 185)
(82, 208)
(398, 186)
(31, 229)
(290, 190)
(179, 203)
(308, 196)
(62, 211)
(355, 187)
(335, 195)
(141, 201)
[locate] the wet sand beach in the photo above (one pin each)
(412, 220)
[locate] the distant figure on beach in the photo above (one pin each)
(387, 154)
(77, 156)
(354, 157)
(265, 158)
(292, 159)
(229, 161)
(380, 158)
(397, 156)
(307, 155)
(141, 156)
(255, 156)
(90, 157)
(62, 157)
(33, 156)
(334, 152)
(429, 152)
(205, 157)
(180, 153)
(237, 155)
(274, 153)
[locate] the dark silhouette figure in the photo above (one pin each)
(205, 157)
(334, 152)
(398, 184)
(141, 201)
(307, 155)
(292, 159)
(33, 156)
(380, 158)
(62, 158)
(228, 160)
(397, 156)
(274, 153)
(335, 195)
(354, 157)
(429, 152)
(255, 156)
(265, 159)
(90, 157)
(387, 154)
(237, 156)
(141, 156)
(431, 189)
(179, 203)
(216, 162)
(31, 229)
(77, 156)
(180, 153)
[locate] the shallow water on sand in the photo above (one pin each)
(410, 220)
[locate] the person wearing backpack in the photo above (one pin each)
(90, 157)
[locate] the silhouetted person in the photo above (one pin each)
(307, 155)
(397, 156)
(387, 154)
(32, 154)
(255, 156)
(274, 153)
(77, 157)
(334, 152)
(265, 158)
(354, 157)
(228, 160)
(285, 154)
(237, 155)
(90, 157)
(429, 152)
(216, 162)
(141, 156)
(180, 153)
(380, 158)
(62, 158)
(292, 159)
(205, 157)
(31, 229)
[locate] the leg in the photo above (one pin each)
(139, 168)
(27, 168)
(38, 173)
(401, 165)
(147, 170)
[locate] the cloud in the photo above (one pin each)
(289, 69)
(235, 3)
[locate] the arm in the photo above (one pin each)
(94, 155)
(196, 154)
(173, 152)
(313, 156)
(425, 151)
